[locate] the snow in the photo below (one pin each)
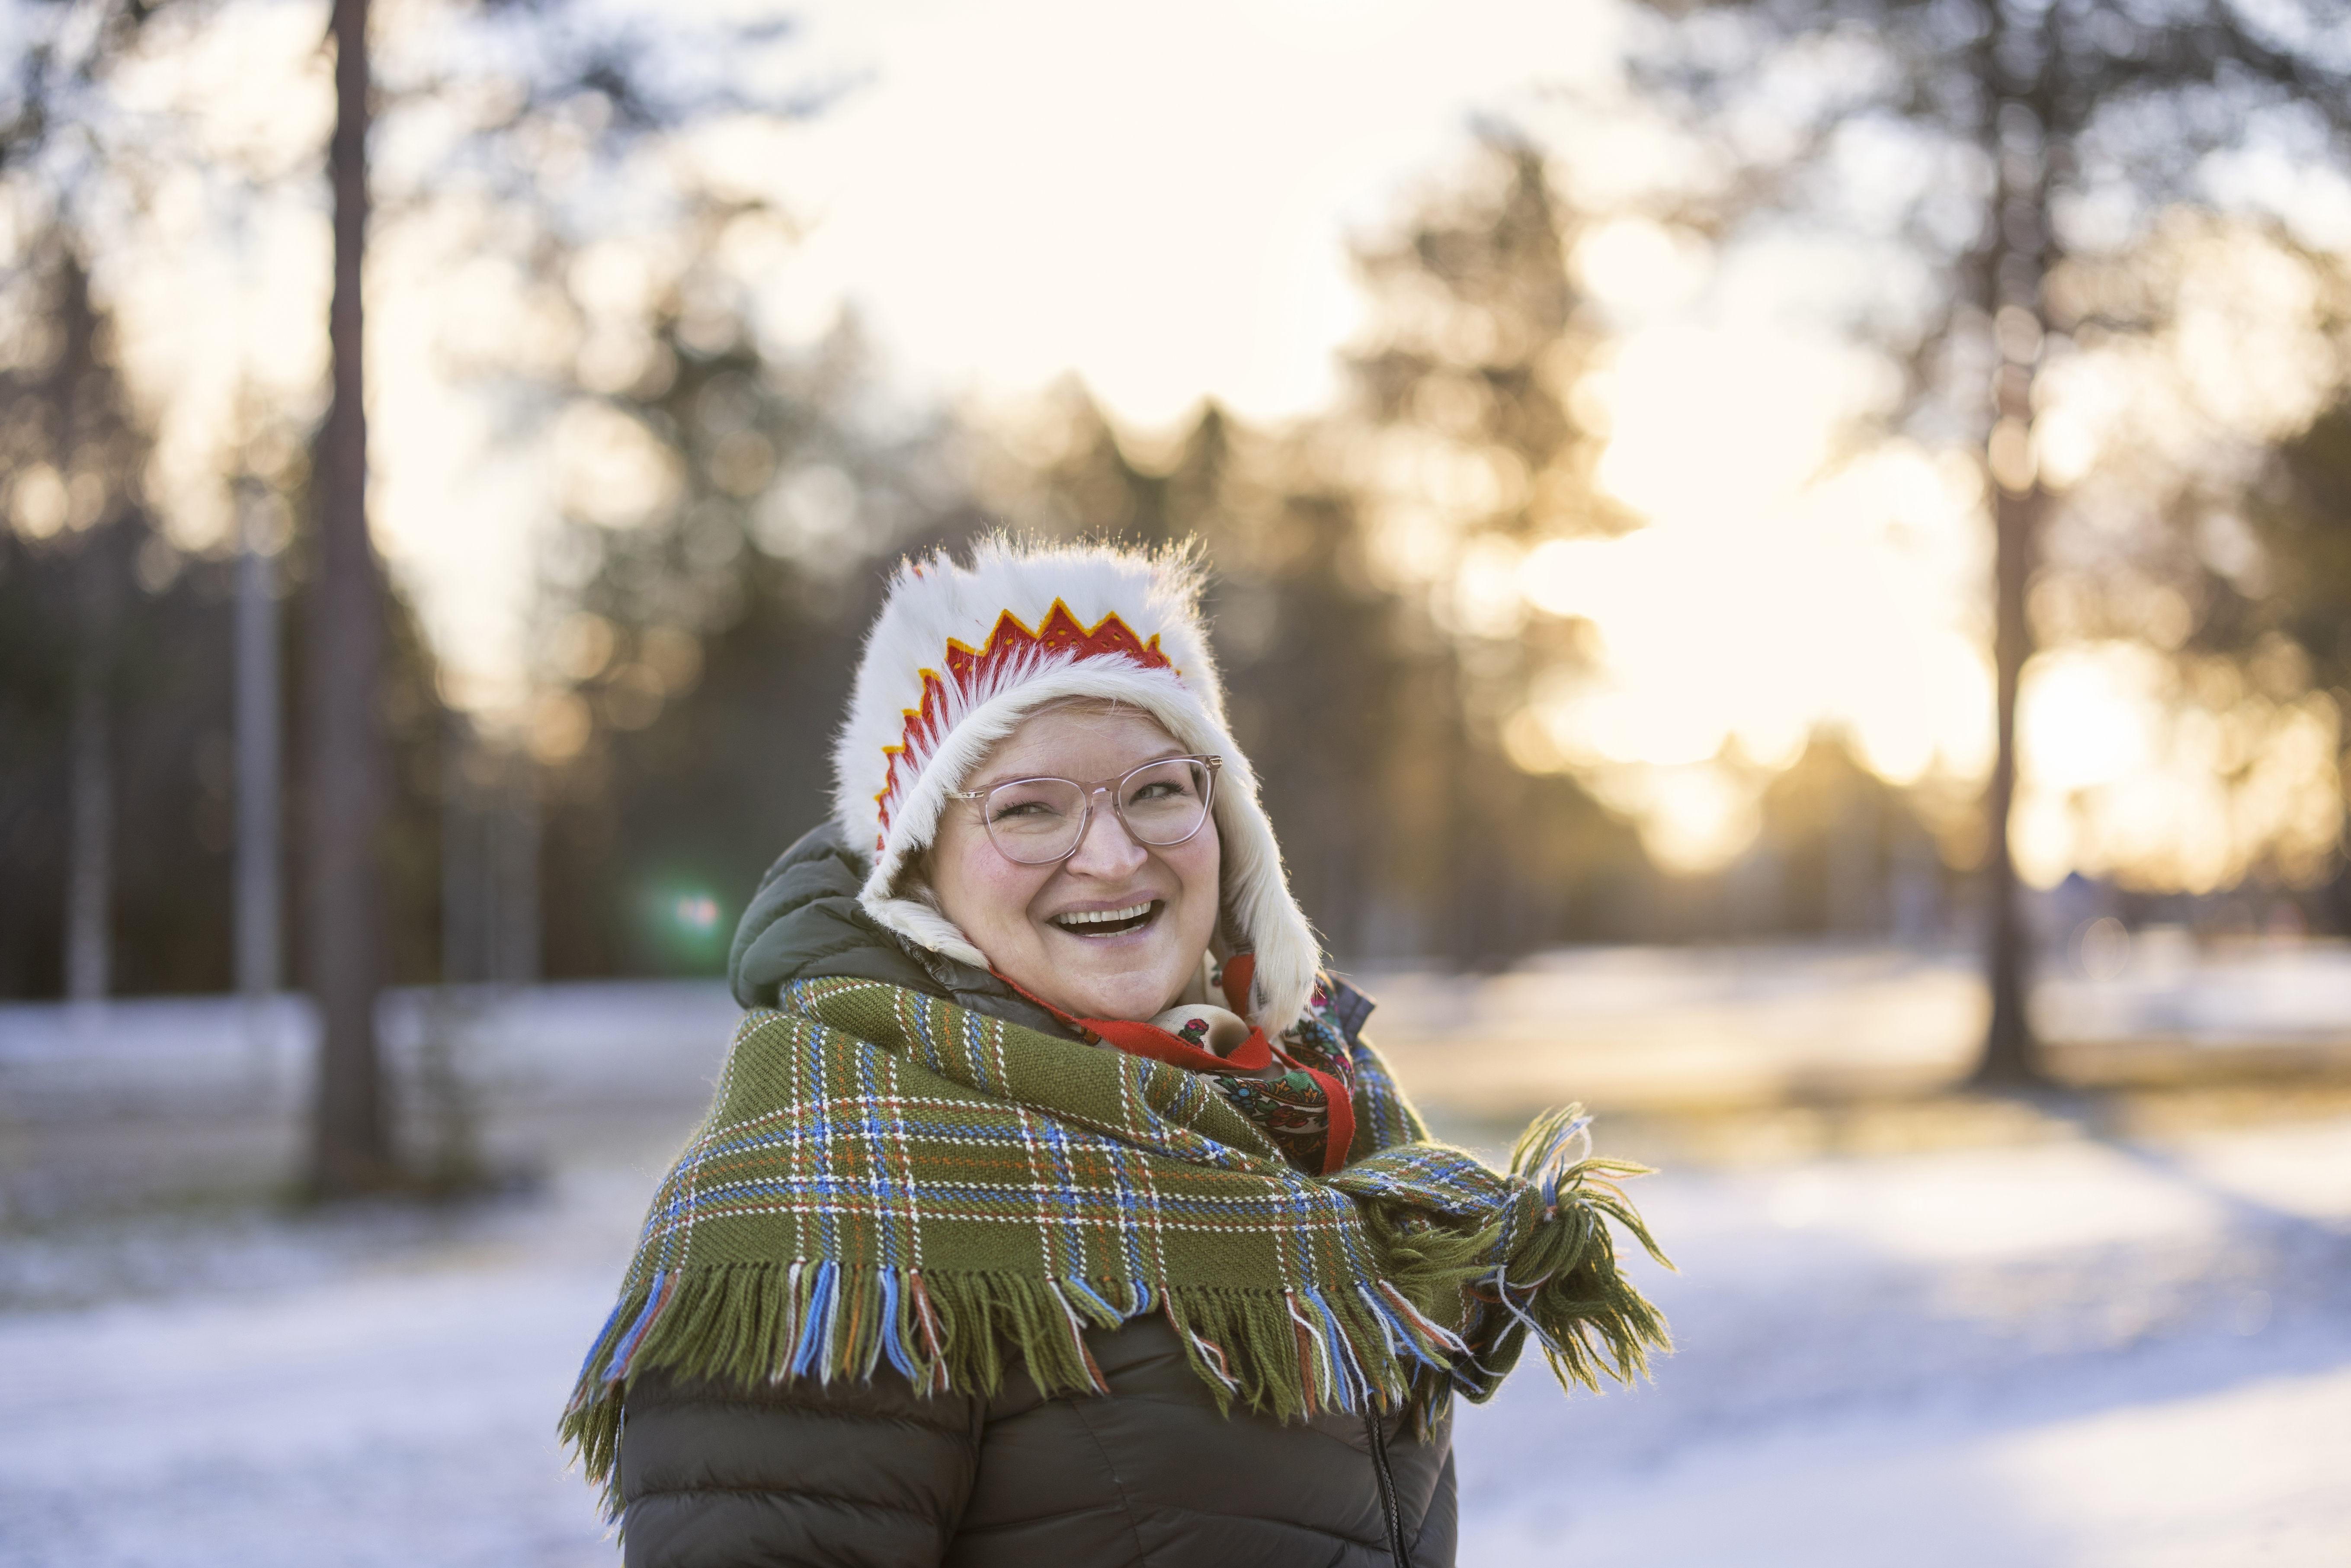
(1619, 1026)
(392, 1403)
(2052, 1346)
(1628, 1027)
(2081, 1352)
(2252, 1472)
(583, 1040)
(2076, 1353)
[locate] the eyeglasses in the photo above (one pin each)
(1036, 821)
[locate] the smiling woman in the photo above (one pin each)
(1052, 1207)
(1105, 912)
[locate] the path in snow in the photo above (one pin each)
(2074, 1352)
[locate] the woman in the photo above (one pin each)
(1004, 1242)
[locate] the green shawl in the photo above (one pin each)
(886, 1176)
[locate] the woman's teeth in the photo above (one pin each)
(1093, 920)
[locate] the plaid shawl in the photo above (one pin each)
(885, 1176)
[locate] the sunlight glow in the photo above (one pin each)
(1640, 267)
(1207, 254)
(1714, 422)
(1731, 631)
(2126, 774)
(1775, 594)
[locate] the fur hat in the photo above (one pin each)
(960, 655)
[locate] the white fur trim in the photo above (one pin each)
(937, 600)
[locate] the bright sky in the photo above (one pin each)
(1158, 201)
(1157, 198)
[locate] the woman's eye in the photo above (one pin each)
(1162, 787)
(1030, 805)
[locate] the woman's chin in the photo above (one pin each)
(1125, 996)
(1113, 978)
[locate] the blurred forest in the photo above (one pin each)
(730, 504)
(117, 705)
(709, 646)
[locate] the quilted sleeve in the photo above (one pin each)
(851, 1476)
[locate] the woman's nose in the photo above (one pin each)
(1106, 849)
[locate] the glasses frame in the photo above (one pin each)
(1115, 788)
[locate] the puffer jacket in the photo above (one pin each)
(877, 1475)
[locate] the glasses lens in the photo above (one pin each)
(1034, 820)
(1165, 802)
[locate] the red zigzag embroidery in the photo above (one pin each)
(1012, 642)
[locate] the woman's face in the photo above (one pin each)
(1012, 912)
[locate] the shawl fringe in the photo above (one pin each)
(1545, 1270)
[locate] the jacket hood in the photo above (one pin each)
(805, 923)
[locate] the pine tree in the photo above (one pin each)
(704, 651)
(2021, 112)
(1465, 453)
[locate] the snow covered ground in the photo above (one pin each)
(258, 1390)
(1621, 1027)
(2071, 1352)
(2077, 1353)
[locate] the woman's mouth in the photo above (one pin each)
(1109, 922)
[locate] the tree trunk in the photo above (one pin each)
(258, 788)
(101, 561)
(516, 858)
(350, 1142)
(91, 878)
(2017, 68)
(2012, 1055)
